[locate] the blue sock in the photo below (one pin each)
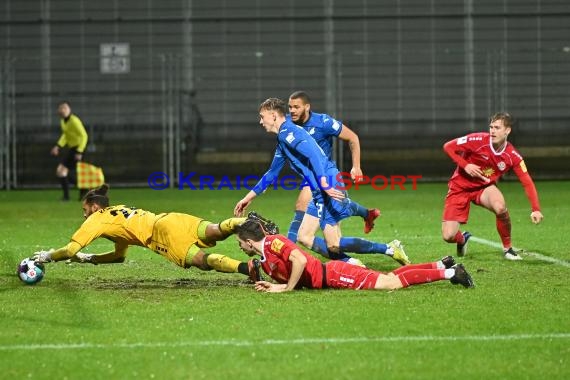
(358, 209)
(320, 246)
(295, 224)
(359, 245)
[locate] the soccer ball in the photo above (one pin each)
(31, 272)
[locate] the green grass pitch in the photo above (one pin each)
(148, 319)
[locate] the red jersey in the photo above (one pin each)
(275, 262)
(477, 148)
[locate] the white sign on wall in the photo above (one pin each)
(115, 58)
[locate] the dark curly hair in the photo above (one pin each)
(98, 196)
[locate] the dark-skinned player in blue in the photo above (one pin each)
(323, 128)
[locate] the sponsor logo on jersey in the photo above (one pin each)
(276, 245)
(347, 280)
(290, 137)
(516, 154)
(485, 157)
(501, 165)
(488, 172)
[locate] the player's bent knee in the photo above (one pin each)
(448, 234)
(196, 258)
(500, 208)
(305, 239)
(61, 171)
(334, 248)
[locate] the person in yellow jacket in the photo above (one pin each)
(74, 138)
(180, 238)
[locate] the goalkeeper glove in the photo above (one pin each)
(42, 256)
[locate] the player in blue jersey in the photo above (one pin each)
(329, 204)
(323, 128)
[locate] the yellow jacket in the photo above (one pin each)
(73, 134)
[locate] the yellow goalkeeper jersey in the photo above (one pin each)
(73, 134)
(121, 224)
(168, 234)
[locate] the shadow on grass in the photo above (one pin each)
(182, 283)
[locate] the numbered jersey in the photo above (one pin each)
(275, 262)
(121, 224)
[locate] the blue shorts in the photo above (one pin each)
(328, 210)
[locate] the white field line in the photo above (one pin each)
(285, 342)
(524, 252)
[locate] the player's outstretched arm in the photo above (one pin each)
(242, 205)
(62, 253)
(299, 262)
(530, 190)
(265, 286)
(536, 217)
(113, 257)
(354, 144)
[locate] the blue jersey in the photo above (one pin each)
(305, 157)
(322, 128)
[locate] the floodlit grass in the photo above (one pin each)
(147, 318)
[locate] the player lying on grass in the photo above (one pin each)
(178, 237)
(482, 158)
(293, 268)
(329, 205)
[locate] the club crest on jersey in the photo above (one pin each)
(501, 165)
(290, 137)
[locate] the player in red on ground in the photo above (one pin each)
(482, 158)
(293, 268)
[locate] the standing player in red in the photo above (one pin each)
(482, 158)
(293, 268)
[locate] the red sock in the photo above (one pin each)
(459, 238)
(408, 267)
(421, 276)
(504, 228)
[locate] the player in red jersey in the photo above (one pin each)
(293, 268)
(482, 158)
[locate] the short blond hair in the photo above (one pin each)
(274, 104)
(506, 117)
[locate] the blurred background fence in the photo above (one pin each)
(174, 85)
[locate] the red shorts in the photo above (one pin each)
(342, 275)
(458, 202)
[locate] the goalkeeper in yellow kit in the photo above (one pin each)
(178, 237)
